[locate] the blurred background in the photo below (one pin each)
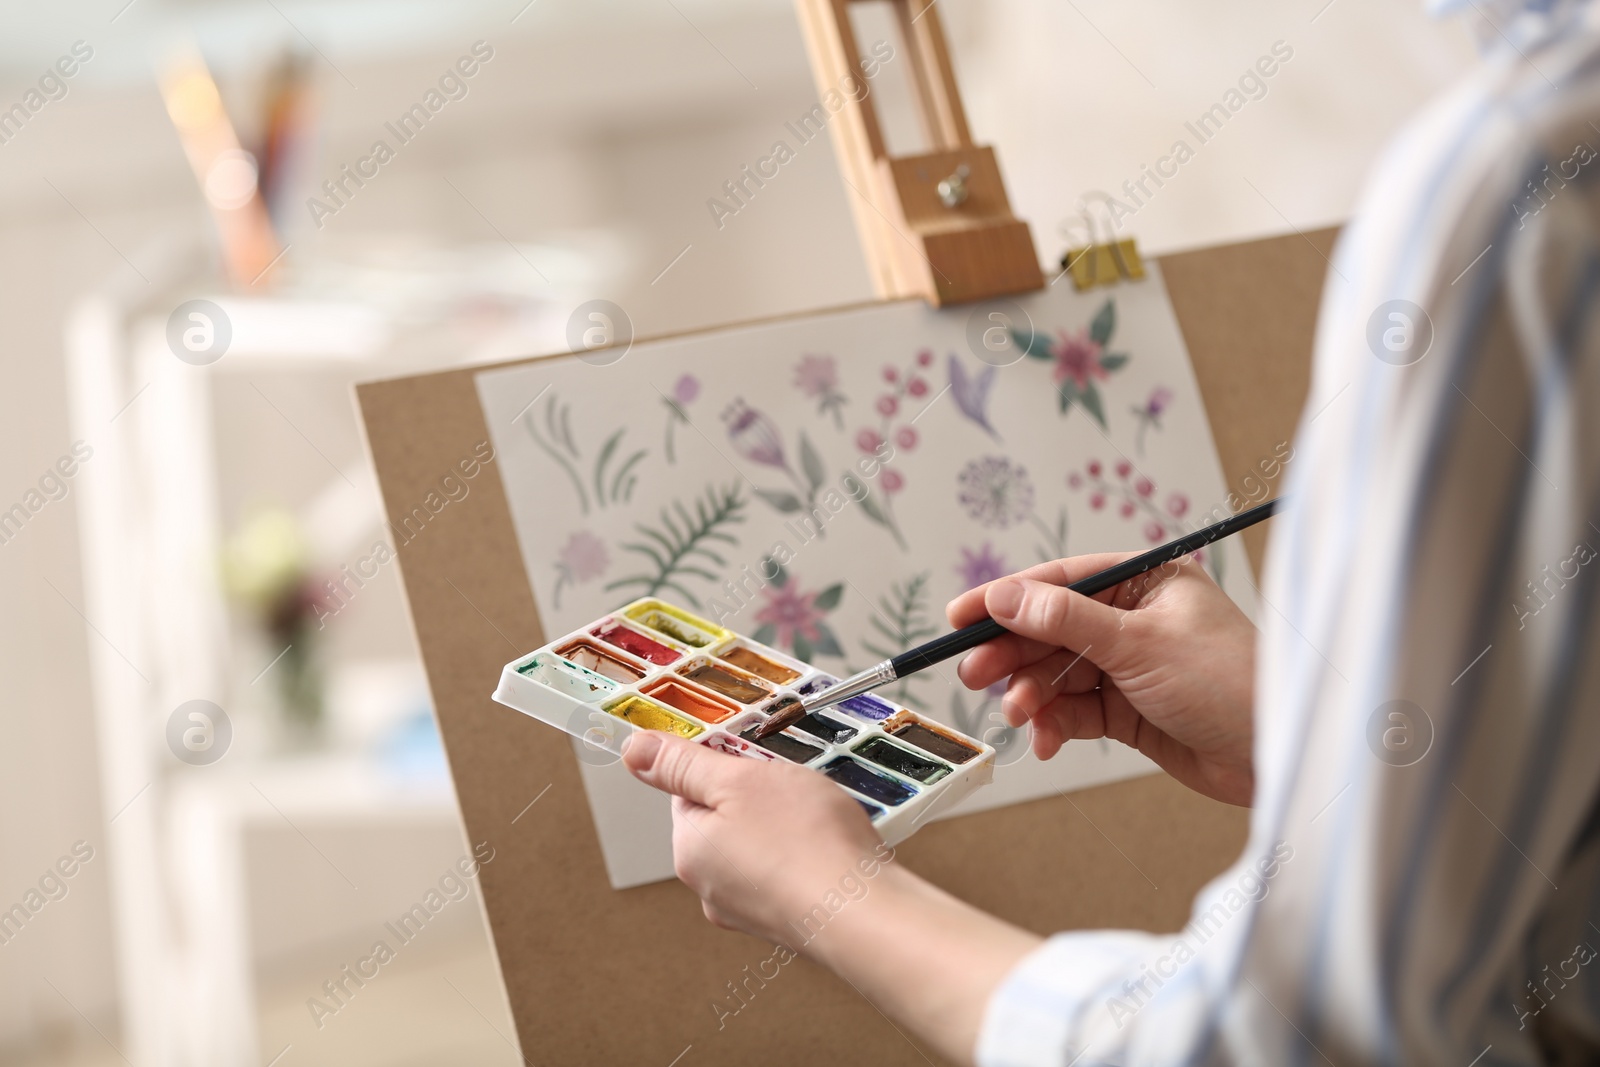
(220, 777)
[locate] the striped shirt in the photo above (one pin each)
(1422, 879)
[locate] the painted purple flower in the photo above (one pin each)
(754, 436)
(685, 389)
(972, 394)
(1149, 413)
(980, 567)
(995, 491)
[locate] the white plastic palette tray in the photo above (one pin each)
(651, 665)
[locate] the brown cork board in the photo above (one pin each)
(596, 975)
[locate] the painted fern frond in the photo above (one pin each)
(677, 549)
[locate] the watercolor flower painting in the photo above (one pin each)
(1080, 361)
(1134, 498)
(980, 567)
(971, 394)
(684, 390)
(755, 437)
(1149, 413)
(794, 619)
(995, 492)
(582, 559)
(817, 377)
(685, 545)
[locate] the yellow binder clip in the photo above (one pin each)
(1097, 262)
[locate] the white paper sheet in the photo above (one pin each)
(727, 447)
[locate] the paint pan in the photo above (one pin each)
(866, 706)
(930, 738)
(786, 745)
(825, 727)
(753, 662)
(691, 699)
(872, 810)
(591, 657)
(576, 682)
(648, 715)
(682, 627)
(736, 746)
(628, 639)
(901, 760)
(727, 680)
(875, 785)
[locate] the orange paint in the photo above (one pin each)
(691, 699)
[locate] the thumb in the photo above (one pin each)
(1055, 615)
(676, 766)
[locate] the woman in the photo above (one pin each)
(1417, 735)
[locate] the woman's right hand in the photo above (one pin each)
(1164, 663)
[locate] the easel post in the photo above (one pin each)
(936, 225)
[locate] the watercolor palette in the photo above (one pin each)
(653, 666)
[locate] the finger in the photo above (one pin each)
(1069, 717)
(1033, 688)
(969, 607)
(1051, 613)
(988, 664)
(682, 768)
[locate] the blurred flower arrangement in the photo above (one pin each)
(266, 569)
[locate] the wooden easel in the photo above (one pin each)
(596, 976)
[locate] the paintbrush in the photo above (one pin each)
(791, 709)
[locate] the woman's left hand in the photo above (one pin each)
(761, 843)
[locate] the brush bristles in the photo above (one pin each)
(786, 712)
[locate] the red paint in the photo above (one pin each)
(637, 643)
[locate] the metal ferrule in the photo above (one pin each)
(854, 686)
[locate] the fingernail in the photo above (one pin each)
(1004, 599)
(641, 748)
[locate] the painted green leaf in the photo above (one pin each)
(1067, 392)
(827, 643)
(802, 647)
(828, 599)
(1033, 343)
(780, 577)
(1090, 399)
(784, 502)
(1105, 321)
(1113, 361)
(766, 633)
(811, 462)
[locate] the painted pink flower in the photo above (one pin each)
(892, 481)
(789, 611)
(1075, 480)
(890, 374)
(1144, 487)
(925, 358)
(984, 565)
(1097, 501)
(1124, 468)
(1094, 468)
(1177, 504)
(917, 387)
(868, 440)
(1078, 358)
(887, 406)
(754, 436)
(1155, 533)
(584, 556)
(816, 376)
(1126, 509)
(906, 437)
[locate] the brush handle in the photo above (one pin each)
(969, 637)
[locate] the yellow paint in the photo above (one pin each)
(648, 715)
(645, 612)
